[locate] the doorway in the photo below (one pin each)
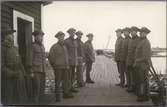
(24, 39)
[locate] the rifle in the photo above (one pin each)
(153, 72)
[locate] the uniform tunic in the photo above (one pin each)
(89, 52)
(58, 56)
(72, 51)
(143, 54)
(124, 48)
(131, 50)
(118, 46)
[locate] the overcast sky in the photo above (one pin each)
(102, 18)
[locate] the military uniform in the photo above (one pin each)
(72, 53)
(124, 54)
(142, 64)
(13, 89)
(89, 58)
(118, 46)
(133, 42)
(58, 58)
(130, 61)
(80, 58)
(38, 69)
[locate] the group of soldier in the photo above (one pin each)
(67, 58)
(133, 58)
(26, 84)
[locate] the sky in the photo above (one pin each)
(102, 18)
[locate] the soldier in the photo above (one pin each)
(118, 45)
(80, 58)
(130, 58)
(72, 53)
(124, 53)
(58, 58)
(38, 66)
(13, 89)
(89, 57)
(142, 64)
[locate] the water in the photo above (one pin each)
(159, 64)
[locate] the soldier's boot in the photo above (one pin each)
(119, 84)
(74, 90)
(80, 84)
(90, 81)
(68, 95)
(130, 89)
(142, 96)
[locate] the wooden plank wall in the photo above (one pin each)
(32, 9)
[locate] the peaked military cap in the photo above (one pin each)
(79, 33)
(126, 29)
(119, 30)
(134, 28)
(7, 30)
(71, 30)
(60, 33)
(144, 29)
(89, 35)
(38, 32)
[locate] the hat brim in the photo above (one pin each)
(56, 36)
(119, 31)
(35, 34)
(145, 31)
(89, 36)
(79, 34)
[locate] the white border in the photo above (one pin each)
(17, 14)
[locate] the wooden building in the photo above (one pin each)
(24, 17)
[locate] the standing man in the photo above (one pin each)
(58, 58)
(124, 54)
(13, 89)
(118, 46)
(133, 42)
(80, 58)
(72, 53)
(89, 57)
(38, 66)
(142, 64)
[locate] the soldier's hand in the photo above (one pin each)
(68, 67)
(134, 65)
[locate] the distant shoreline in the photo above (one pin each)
(158, 56)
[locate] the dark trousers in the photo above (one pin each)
(88, 70)
(122, 72)
(61, 81)
(129, 76)
(72, 76)
(119, 67)
(134, 80)
(80, 74)
(38, 86)
(29, 88)
(142, 82)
